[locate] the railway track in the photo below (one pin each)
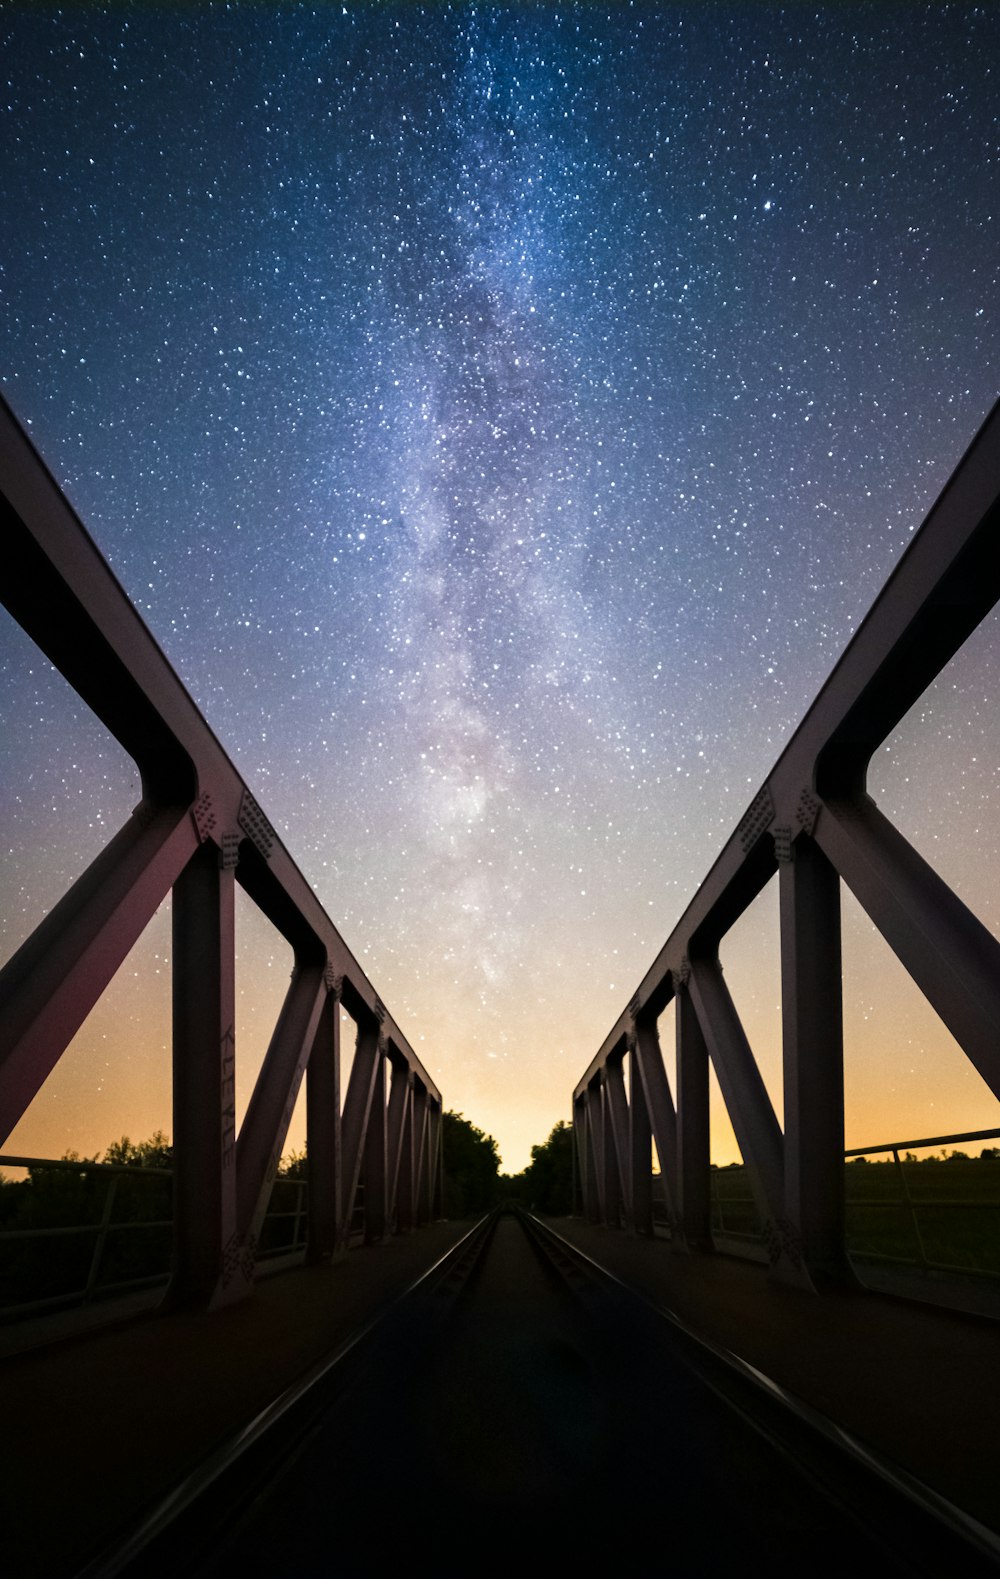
(520, 1403)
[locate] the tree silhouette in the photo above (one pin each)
(546, 1185)
(471, 1165)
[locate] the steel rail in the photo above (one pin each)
(911, 1525)
(280, 1426)
(933, 1526)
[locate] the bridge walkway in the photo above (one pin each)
(99, 1428)
(547, 1425)
(918, 1382)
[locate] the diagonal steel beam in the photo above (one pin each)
(951, 956)
(640, 1156)
(586, 1154)
(405, 1201)
(595, 1149)
(56, 977)
(693, 1128)
(651, 1077)
(323, 1148)
(262, 1134)
(354, 1121)
(396, 1112)
(375, 1154)
(617, 1118)
(744, 1093)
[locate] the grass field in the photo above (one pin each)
(934, 1213)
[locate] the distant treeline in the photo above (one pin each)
(546, 1184)
(106, 1221)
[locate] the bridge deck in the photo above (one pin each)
(99, 1427)
(919, 1383)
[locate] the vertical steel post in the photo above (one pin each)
(323, 1157)
(693, 1135)
(813, 1053)
(375, 1154)
(102, 1236)
(206, 1243)
(57, 975)
(640, 1152)
(612, 1194)
(300, 1190)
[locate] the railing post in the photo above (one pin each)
(952, 957)
(101, 1240)
(323, 1151)
(206, 1242)
(300, 1211)
(912, 1210)
(813, 1057)
(693, 1135)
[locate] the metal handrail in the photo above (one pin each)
(104, 1225)
(911, 1207)
(917, 1145)
(905, 1203)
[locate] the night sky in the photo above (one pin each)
(502, 416)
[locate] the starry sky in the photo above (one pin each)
(502, 416)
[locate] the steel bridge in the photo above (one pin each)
(813, 823)
(260, 1376)
(196, 833)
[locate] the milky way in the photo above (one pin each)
(501, 416)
